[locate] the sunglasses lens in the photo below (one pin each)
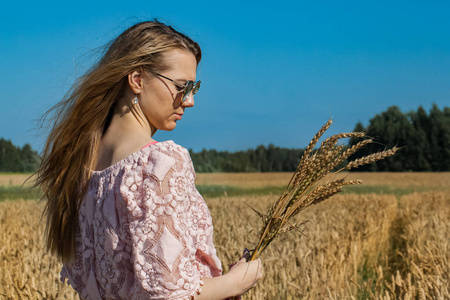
(196, 88)
(187, 90)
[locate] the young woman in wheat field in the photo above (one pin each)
(122, 210)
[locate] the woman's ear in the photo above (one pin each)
(135, 81)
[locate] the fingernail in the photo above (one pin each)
(246, 254)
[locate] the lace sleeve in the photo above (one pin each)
(161, 207)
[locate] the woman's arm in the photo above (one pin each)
(241, 277)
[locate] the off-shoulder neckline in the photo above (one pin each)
(129, 158)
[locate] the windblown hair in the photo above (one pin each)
(82, 117)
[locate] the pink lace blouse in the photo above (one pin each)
(144, 230)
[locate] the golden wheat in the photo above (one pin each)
(434, 181)
(27, 270)
(361, 246)
(15, 179)
(310, 183)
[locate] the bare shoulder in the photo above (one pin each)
(112, 152)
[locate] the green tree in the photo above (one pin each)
(420, 145)
(424, 139)
(30, 159)
(10, 160)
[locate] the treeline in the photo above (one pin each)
(424, 139)
(261, 159)
(17, 159)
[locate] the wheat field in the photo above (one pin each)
(368, 245)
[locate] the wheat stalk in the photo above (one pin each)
(310, 184)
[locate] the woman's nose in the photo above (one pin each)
(189, 102)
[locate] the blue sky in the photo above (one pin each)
(272, 72)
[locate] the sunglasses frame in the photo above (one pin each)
(189, 87)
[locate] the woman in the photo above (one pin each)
(122, 210)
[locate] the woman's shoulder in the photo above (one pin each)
(161, 151)
(158, 168)
(156, 155)
(164, 155)
(169, 146)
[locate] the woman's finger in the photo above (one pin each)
(246, 254)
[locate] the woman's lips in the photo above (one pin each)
(179, 116)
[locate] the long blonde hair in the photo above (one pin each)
(82, 117)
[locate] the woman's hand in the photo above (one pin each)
(242, 276)
(246, 274)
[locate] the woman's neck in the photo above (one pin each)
(127, 133)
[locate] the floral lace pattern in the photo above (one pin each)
(144, 230)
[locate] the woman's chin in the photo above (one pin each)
(169, 127)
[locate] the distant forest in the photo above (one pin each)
(16, 159)
(424, 138)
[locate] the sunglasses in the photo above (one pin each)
(189, 87)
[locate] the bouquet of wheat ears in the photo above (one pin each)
(313, 181)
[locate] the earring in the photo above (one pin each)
(135, 100)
